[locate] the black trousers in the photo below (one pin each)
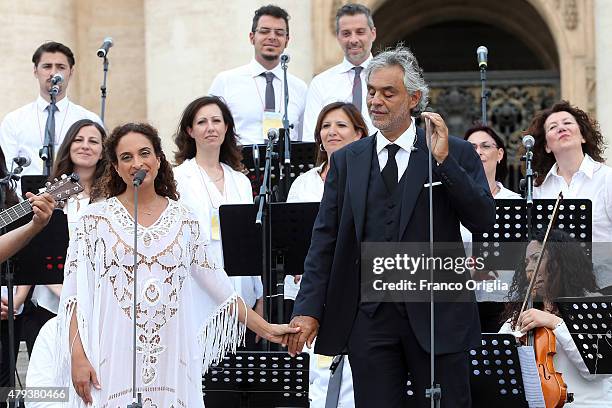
(391, 370)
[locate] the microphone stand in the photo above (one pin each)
(484, 93)
(136, 397)
(8, 183)
(527, 186)
(434, 392)
(47, 153)
(286, 167)
(103, 89)
(262, 220)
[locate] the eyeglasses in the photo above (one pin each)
(484, 146)
(266, 31)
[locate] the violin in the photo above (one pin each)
(544, 342)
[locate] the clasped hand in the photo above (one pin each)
(308, 329)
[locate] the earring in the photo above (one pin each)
(321, 147)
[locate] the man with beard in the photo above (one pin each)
(376, 191)
(254, 92)
(345, 82)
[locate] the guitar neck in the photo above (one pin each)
(14, 213)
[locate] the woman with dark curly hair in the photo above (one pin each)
(208, 175)
(187, 311)
(568, 157)
(565, 271)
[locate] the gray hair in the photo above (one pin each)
(352, 9)
(413, 74)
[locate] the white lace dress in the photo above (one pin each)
(185, 314)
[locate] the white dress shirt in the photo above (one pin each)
(405, 142)
(334, 85)
(200, 195)
(244, 91)
(592, 181)
(22, 131)
(319, 380)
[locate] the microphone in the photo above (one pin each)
(106, 44)
(285, 57)
(22, 161)
(482, 53)
(273, 134)
(528, 142)
(57, 79)
(139, 177)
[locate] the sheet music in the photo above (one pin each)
(531, 379)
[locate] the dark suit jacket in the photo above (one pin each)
(330, 285)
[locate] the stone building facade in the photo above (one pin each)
(167, 52)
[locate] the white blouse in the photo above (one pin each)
(199, 193)
(592, 181)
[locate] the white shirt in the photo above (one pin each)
(592, 181)
(319, 380)
(405, 142)
(22, 132)
(244, 91)
(4, 295)
(41, 368)
(199, 193)
(334, 85)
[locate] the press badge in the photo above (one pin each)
(324, 361)
(215, 227)
(271, 120)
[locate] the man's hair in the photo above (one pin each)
(53, 47)
(273, 11)
(413, 74)
(352, 9)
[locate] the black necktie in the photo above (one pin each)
(270, 99)
(357, 93)
(389, 173)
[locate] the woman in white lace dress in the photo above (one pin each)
(187, 313)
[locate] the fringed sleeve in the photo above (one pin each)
(221, 330)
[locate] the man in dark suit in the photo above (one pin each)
(375, 192)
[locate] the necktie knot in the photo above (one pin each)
(358, 70)
(51, 108)
(269, 76)
(392, 149)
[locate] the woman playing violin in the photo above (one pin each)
(565, 270)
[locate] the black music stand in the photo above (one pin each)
(241, 239)
(257, 379)
(589, 321)
(495, 373)
(575, 218)
(41, 262)
(303, 158)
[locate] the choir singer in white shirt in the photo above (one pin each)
(208, 176)
(568, 157)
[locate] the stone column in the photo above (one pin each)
(187, 43)
(24, 26)
(603, 57)
(126, 83)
